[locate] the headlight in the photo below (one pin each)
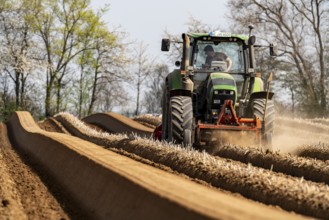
(215, 112)
(231, 92)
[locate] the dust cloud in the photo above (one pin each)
(290, 135)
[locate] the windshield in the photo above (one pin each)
(223, 56)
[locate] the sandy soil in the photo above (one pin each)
(261, 185)
(148, 120)
(116, 123)
(51, 125)
(195, 197)
(23, 195)
(27, 191)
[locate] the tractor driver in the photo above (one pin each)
(219, 56)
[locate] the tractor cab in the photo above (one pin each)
(220, 63)
(223, 55)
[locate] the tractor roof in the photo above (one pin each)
(218, 34)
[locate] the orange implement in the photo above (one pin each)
(227, 120)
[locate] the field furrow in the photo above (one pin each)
(307, 168)
(293, 194)
(92, 168)
(94, 177)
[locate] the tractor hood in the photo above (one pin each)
(221, 81)
(221, 86)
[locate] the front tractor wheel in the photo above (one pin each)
(268, 123)
(181, 120)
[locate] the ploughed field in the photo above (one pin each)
(107, 166)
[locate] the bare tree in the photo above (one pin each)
(142, 72)
(297, 27)
(102, 68)
(113, 63)
(315, 12)
(192, 25)
(153, 95)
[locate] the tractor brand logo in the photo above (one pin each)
(220, 34)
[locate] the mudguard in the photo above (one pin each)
(178, 85)
(261, 95)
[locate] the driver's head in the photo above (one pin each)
(208, 49)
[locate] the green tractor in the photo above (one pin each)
(216, 91)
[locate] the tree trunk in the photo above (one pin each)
(80, 93)
(322, 72)
(138, 97)
(17, 89)
(22, 93)
(58, 98)
(49, 88)
(93, 93)
(293, 102)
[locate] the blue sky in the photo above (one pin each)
(146, 20)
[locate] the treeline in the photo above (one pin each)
(59, 55)
(300, 30)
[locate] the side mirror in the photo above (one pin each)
(273, 50)
(252, 40)
(165, 45)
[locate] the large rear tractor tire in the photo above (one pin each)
(268, 124)
(180, 120)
